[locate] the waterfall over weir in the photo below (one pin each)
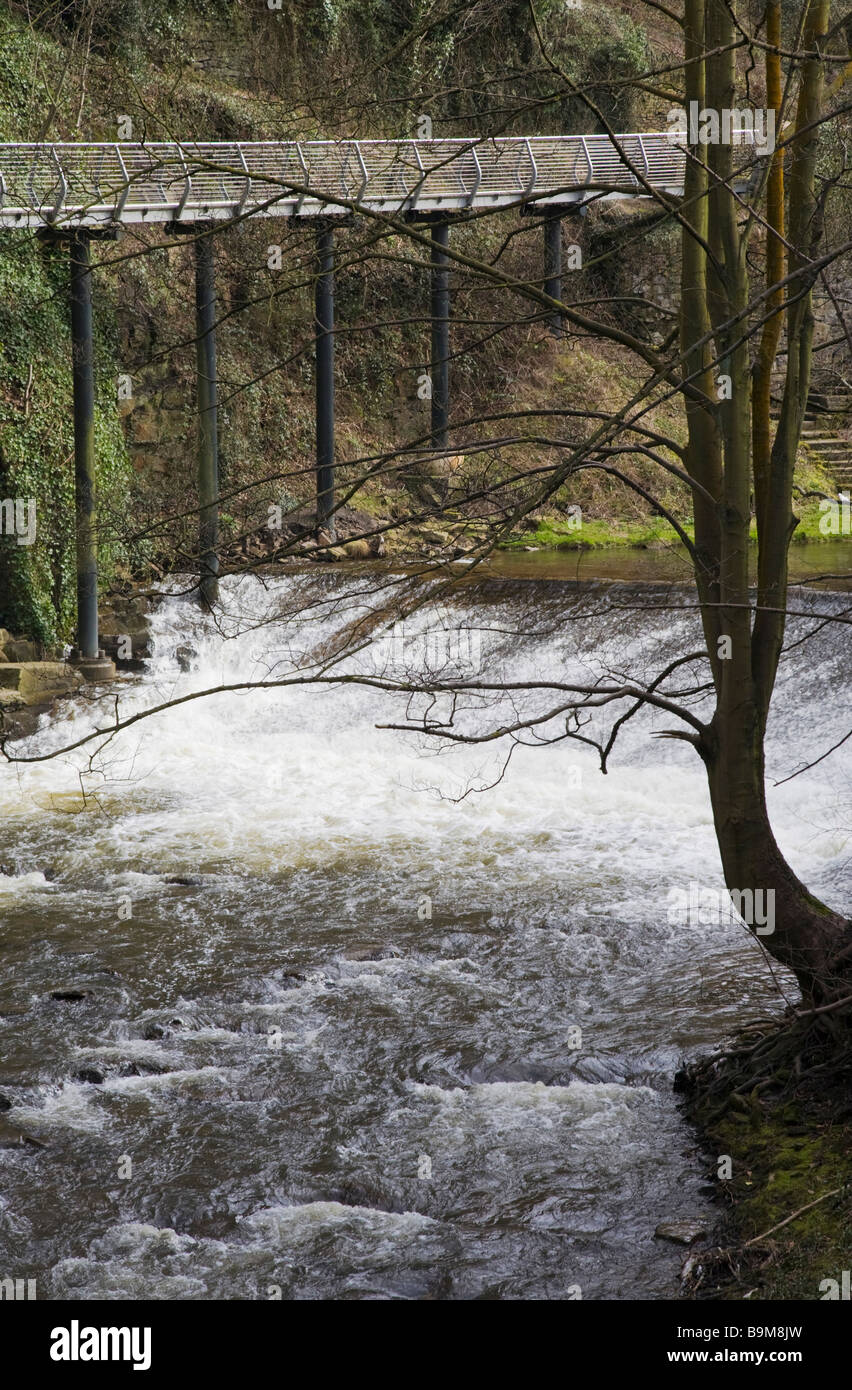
(348, 1025)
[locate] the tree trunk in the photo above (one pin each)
(807, 937)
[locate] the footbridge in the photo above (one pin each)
(81, 192)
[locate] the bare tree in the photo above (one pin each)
(752, 248)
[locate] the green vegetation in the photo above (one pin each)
(788, 1155)
(37, 583)
(554, 533)
(36, 436)
(179, 68)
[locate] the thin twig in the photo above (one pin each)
(788, 1219)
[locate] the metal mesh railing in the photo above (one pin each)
(99, 184)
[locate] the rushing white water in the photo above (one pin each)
(359, 1035)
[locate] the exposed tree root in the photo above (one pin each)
(784, 1052)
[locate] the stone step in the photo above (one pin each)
(816, 409)
(813, 422)
(34, 682)
(825, 401)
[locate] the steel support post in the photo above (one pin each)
(83, 373)
(553, 267)
(324, 330)
(208, 433)
(440, 314)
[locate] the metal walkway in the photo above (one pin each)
(97, 185)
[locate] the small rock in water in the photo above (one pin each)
(185, 880)
(5, 1103)
(91, 1074)
(155, 1032)
(70, 996)
(142, 1068)
(372, 953)
(684, 1232)
(11, 1137)
(186, 655)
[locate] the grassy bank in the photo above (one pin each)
(555, 533)
(786, 1231)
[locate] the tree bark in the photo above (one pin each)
(809, 938)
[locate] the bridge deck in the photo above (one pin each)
(100, 184)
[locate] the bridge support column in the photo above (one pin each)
(208, 432)
(324, 345)
(553, 267)
(87, 654)
(440, 313)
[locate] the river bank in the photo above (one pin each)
(821, 520)
(784, 1150)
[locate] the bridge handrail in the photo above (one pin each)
(97, 182)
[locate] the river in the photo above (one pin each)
(347, 1032)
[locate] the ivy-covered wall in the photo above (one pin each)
(37, 582)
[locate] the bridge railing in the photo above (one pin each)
(96, 184)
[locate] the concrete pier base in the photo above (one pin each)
(93, 668)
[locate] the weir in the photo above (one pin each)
(354, 883)
(89, 189)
